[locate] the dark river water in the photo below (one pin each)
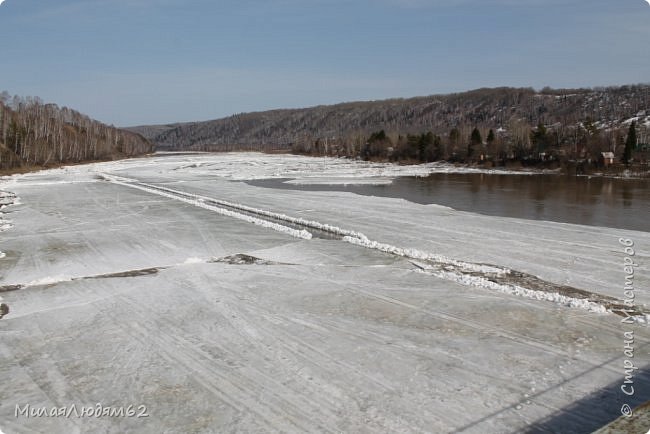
(594, 201)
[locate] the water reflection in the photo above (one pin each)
(627, 197)
(583, 200)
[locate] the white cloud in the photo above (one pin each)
(2, 1)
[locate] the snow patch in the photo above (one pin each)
(57, 182)
(340, 181)
(50, 280)
(630, 120)
(554, 297)
(417, 254)
(6, 199)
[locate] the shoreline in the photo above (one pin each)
(39, 168)
(453, 167)
(475, 168)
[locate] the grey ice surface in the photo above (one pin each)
(324, 336)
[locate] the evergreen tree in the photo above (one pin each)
(377, 145)
(490, 137)
(630, 143)
(475, 138)
(379, 136)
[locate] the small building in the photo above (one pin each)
(607, 158)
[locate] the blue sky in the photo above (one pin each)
(131, 62)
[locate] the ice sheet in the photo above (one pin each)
(129, 304)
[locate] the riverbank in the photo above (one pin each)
(412, 168)
(578, 168)
(31, 168)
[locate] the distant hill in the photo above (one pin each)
(151, 131)
(513, 113)
(33, 133)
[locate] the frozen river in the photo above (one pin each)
(593, 201)
(221, 306)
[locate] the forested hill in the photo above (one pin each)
(512, 113)
(33, 133)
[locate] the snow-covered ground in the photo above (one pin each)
(249, 166)
(358, 180)
(342, 313)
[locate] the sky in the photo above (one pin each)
(133, 62)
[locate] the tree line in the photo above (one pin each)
(33, 133)
(531, 146)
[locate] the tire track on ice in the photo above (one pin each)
(481, 327)
(324, 329)
(305, 355)
(232, 388)
(315, 361)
